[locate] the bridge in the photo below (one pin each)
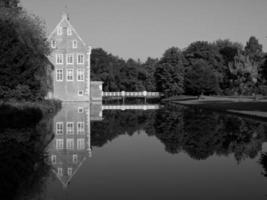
(131, 107)
(124, 94)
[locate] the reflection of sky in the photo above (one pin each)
(264, 147)
(138, 167)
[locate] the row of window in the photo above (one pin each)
(69, 74)
(74, 44)
(60, 171)
(70, 59)
(69, 128)
(74, 159)
(60, 31)
(70, 144)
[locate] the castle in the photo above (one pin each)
(71, 59)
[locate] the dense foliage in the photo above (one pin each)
(23, 50)
(169, 74)
(219, 68)
(120, 75)
(201, 79)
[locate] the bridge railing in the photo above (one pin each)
(130, 107)
(131, 94)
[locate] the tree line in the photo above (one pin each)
(222, 67)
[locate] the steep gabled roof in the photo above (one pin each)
(65, 179)
(65, 19)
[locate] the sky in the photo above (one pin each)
(146, 28)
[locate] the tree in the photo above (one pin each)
(263, 71)
(202, 50)
(23, 50)
(117, 74)
(169, 74)
(253, 50)
(242, 66)
(105, 67)
(229, 50)
(245, 74)
(149, 68)
(132, 76)
(200, 78)
(9, 3)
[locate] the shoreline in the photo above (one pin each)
(45, 106)
(243, 106)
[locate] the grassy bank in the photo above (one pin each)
(245, 106)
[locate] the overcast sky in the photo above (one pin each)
(142, 28)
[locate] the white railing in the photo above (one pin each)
(131, 94)
(130, 107)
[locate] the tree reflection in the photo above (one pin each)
(263, 162)
(169, 128)
(201, 137)
(199, 133)
(117, 123)
(23, 166)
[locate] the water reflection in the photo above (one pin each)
(24, 135)
(72, 143)
(197, 132)
(72, 127)
(33, 148)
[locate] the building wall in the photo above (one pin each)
(96, 90)
(62, 45)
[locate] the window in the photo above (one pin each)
(53, 44)
(80, 59)
(69, 75)
(59, 30)
(69, 31)
(69, 171)
(80, 75)
(80, 144)
(80, 127)
(59, 128)
(54, 159)
(59, 59)
(70, 128)
(80, 109)
(80, 92)
(59, 74)
(74, 44)
(59, 144)
(75, 159)
(59, 171)
(69, 60)
(70, 144)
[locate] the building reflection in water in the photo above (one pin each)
(72, 143)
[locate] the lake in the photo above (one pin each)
(131, 152)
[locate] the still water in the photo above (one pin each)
(131, 152)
